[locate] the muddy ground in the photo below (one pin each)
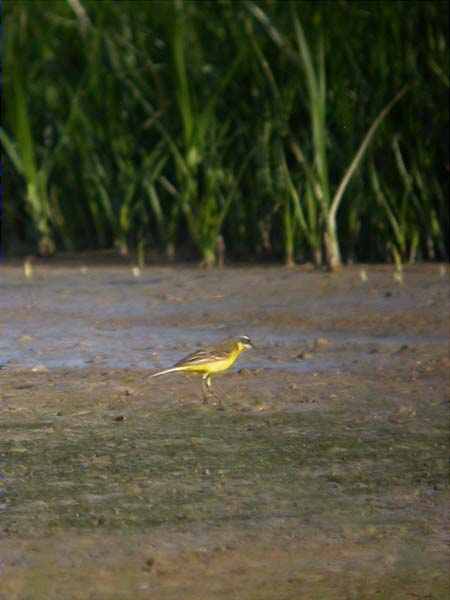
(324, 477)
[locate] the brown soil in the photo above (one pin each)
(324, 476)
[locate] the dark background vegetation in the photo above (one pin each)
(169, 128)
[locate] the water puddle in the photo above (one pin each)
(111, 320)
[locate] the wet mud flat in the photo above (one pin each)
(324, 476)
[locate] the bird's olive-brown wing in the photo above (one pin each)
(201, 357)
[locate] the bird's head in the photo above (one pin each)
(244, 343)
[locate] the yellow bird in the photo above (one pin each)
(209, 361)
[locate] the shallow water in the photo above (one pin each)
(66, 319)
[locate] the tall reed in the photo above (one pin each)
(262, 127)
(316, 168)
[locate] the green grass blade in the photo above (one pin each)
(362, 150)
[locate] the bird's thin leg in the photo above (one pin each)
(219, 399)
(206, 385)
(207, 391)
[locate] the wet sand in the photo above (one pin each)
(324, 476)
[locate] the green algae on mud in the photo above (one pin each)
(332, 477)
(194, 464)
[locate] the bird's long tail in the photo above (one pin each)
(172, 370)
